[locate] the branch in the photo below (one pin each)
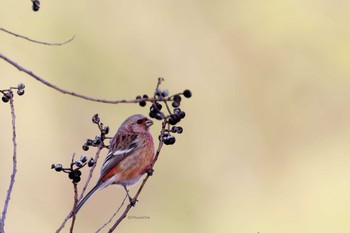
(30, 73)
(36, 41)
(126, 211)
(75, 199)
(97, 155)
(72, 213)
(110, 220)
(14, 165)
(74, 206)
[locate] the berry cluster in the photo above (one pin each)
(99, 138)
(172, 117)
(8, 94)
(73, 171)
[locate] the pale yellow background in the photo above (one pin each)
(265, 146)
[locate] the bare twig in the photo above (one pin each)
(74, 206)
(75, 187)
(14, 166)
(126, 211)
(115, 213)
(97, 155)
(30, 73)
(36, 41)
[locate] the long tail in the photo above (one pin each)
(82, 202)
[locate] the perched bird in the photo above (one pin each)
(131, 152)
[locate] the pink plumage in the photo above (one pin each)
(130, 155)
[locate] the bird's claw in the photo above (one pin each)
(149, 171)
(133, 201)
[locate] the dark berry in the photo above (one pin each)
(174, 129)
(77, 173)
(20, 91)
(91, 162)
(57, 167)
(174, 119)
(159, 106)
(182, 114)
(145, 96)
(177, 129)
(5, 98)
(187, 93)
(85, 147)
(156, 107)
(36, 5)
(165, 93)
(79, 163)
(158, 116)
(138, 97)
(21, 86)
(83, 158)
(152, 114)
(76, 179)
(97, 140)
(158, 92)
(175, 104)
(170, 140)
(142, 103)
(96, 119)
(89, 142)
(177, 110)
(71, 175)
(74, 174)
(177, 98)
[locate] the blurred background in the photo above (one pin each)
(265, 146)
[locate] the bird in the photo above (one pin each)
(130, 155)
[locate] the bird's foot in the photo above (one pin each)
(133, 201)
(150, 172)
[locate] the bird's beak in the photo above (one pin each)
(148, 123)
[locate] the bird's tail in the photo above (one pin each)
(87, 196)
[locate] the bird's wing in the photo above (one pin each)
(121, 147)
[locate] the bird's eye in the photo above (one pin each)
(139, 121)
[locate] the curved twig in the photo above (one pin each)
(36, 41)
(30, 73)
(115, 213)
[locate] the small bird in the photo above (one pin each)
(131, 152)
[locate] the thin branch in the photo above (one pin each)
(30, 73)
(36, 41)
(75, 187)
(14, 166)
(71, 214)
(97, 155)
(110, 220)
(74, 206)
(126, 211)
